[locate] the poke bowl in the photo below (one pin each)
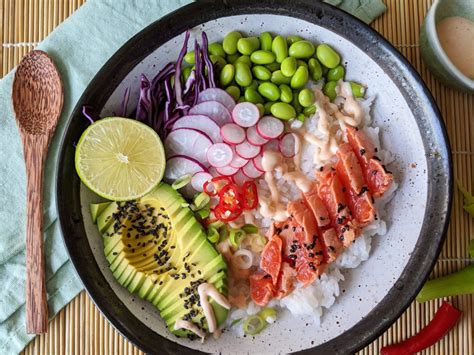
(295, 180)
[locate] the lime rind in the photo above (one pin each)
(99, 157)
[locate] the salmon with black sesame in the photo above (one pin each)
(376, 175)
(350, 166)
(304, 216)
(317, 206)
(332, 245)
(261, 288)
(286, 281)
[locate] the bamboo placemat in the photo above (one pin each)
(80, 328)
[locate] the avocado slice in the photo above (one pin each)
(151, 243)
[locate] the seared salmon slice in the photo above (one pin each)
(332, 245)
(261, 288)
(304, 216)
(349, 164)
(360, 203)
(377, 177)
(270, 261)
(286, 281)
(317, 206)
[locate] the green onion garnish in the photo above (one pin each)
(203, 213)
(181, 182)
(254, 325)
(236, 236)
(250, 228)
(213, 235)
(201, 200)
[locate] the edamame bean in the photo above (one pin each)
(329, 89)
(233, 58)
(357, 89)
(227, 75)
(251, 95)
(261, 109)
(300, 78)
(261, 73)
(229, 44)
(301, 49)
(269, 90)
(243, 75)
(234, 91)
(248, 45)
(310, 110)
(244, 59)
(266, 41)
(327, 56)
(253, 85)
(280, 48)
(278, 78)
(273, 66)
(218, 61)
(336, 73)
(189, 58)
(293, 39)
(288, 66)
(315, 69)
(300, 62)
(300, 117)
(286, 95)
(306, 97)
(186, 73)
(296, 104)
(241, 99)
(268, 105)
(283, 111)
(216, 49)
(262, 57)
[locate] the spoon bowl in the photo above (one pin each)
(37, 102)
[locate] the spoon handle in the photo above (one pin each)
(35, 150)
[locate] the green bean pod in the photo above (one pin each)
(229, 44)
(280, 48)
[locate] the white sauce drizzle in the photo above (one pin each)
(184, 324)
(205, 291)
(351, 106)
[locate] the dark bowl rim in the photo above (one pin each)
(415, 92)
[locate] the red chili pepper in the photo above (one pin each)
(443, 321)
(226, 215)
(229, 197)
(213, 186)
(250, 195)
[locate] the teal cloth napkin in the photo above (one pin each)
(79, 47)
(365, 10)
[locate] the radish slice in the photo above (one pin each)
(245, 114)
(251, 171)
(246, 150)
(227, 170)
(202, 123)
(287, 145)
(257, 162)
(270, 127)
(189, 142)
(239, 178)
(272, 145)
(219, 155)
(213, 109)
(254, 138)
(238, 161)
(198, 180)
(219, 95)
(232, 133)
(180, 165)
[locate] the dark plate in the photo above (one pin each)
(415, 93)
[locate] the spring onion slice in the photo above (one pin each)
(224, 233)
(181, 182)
(236, 236)
(213, 235)
(269, 314)
(201, 200)
(203, 213)
(250, 228)
(254, 325)
(216, 224)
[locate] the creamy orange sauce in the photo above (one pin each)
(206, 290)
(184, 324)
(456, 35)
(355, 112)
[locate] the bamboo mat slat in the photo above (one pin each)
(80, 328)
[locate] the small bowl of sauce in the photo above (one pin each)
(447, 42)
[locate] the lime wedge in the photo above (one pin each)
(120, 159)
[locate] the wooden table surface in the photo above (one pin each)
(80, 328)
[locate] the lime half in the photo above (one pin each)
(120, 159)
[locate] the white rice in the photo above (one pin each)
(310, 301)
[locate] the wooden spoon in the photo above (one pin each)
(37, 102)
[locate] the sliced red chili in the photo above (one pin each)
(226, 215)
(213, 186)
(249, 195)
(229, 197)
(444, 320)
